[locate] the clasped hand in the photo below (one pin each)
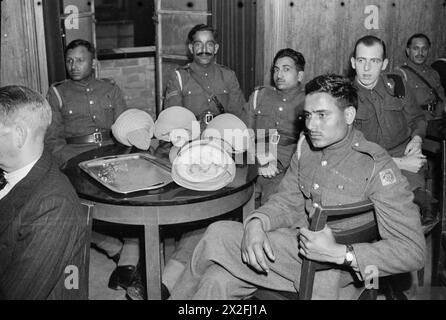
(320, 246)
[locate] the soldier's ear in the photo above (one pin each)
(94, 63)
(350, 114)
(385, 63)
(300, 76)
(191, 48)
(216, 47)
(353, 62)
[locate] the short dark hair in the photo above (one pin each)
(81, 43)
(339, 87)
(296, 56)
(18, 103)
(198, 28)
(418, 35)
(369, 41)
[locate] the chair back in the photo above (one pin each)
(84, 274)
(361, 234)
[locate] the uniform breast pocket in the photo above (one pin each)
(223, 97)
(363, 118)
(265, 119)
(107, 112)
(393, 113)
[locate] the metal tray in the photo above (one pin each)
(128, 173)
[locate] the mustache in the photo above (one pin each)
(209, 54)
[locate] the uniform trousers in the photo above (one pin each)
(216, 270)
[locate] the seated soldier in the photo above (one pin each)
(333, 165)
(276, 112)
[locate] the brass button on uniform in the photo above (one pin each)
(324, 163)
(91, 102)
(340, 187)
(315, 205)
(315, 186)
(280, 109)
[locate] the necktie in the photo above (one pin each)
(3, 181)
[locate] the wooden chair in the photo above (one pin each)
(435, 149)
(365, 233)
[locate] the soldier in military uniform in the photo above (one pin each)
(334, 165)
(207, 89)
(421, 78)
(84, 109)
(275, 114)
(203, 86)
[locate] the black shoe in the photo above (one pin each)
(122, 277)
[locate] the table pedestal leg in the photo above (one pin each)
(250, 205)
(153, 262)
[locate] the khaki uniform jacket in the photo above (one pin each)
(81, 108)
(277, 110)
(423, 94)
(187, 93)
(350, 171)
(386, 119)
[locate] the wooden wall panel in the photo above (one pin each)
(23, 52)
(325, 31)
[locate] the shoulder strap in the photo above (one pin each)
(180, 80)
(59, 98)
(399, 89)
(299, 145)
(434, 91)
(254, 99)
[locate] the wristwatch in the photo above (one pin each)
(349, 255)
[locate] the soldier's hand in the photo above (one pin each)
(255, 244)
(414, 146)
(320, 246)
(269, 171)
(412, 163)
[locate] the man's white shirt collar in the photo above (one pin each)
(15, 177)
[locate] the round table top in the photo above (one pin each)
(171, 194)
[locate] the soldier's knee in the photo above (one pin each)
(223, 230)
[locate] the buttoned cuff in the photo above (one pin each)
(257, 215)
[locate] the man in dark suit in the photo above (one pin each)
(42, 226)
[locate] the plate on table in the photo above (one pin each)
(128, 173)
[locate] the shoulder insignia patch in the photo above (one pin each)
(387, 177)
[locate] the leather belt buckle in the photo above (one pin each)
(97, 137)
(275, 138)
(208, 118)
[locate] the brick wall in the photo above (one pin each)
(136, 78)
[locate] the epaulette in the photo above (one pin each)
(394, 84)
(185, 67)
(56, 84)
(370, 148)
(108, 80)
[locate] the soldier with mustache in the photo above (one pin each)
(421, 78)
(203, 86)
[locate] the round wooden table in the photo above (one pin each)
(169, 205)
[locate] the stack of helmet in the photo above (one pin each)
(177, 125)
(206, 164)
(134, 127)
(229, 131)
